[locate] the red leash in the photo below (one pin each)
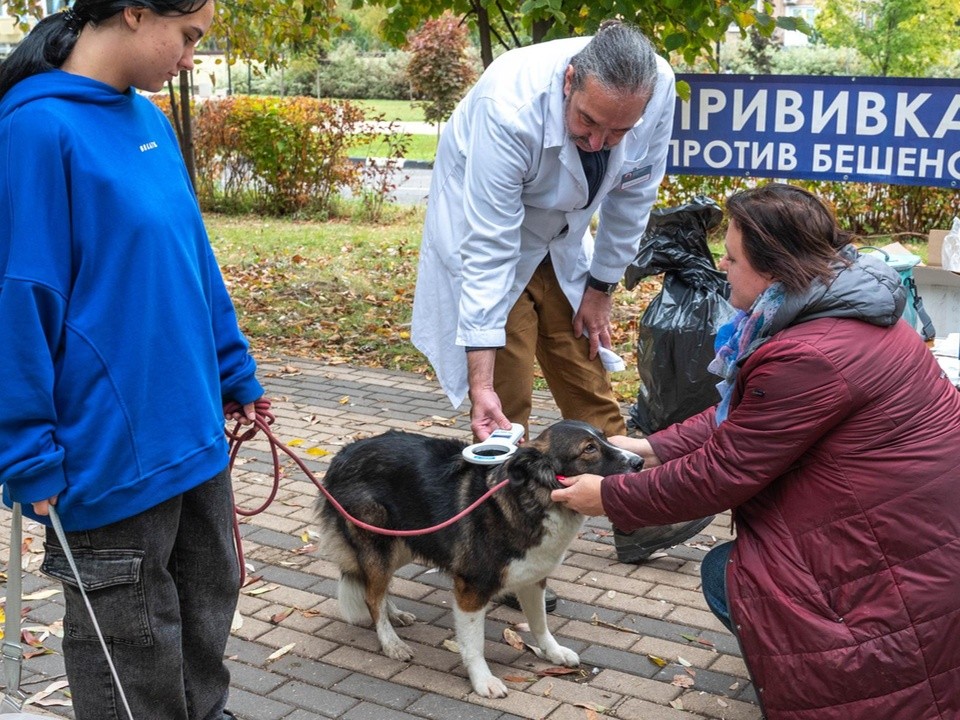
(264, 419)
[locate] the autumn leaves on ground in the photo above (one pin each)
(341, 291)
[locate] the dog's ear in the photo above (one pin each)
(529, 464)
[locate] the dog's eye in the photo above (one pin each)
(590, 448)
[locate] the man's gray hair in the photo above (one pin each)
(620, 58)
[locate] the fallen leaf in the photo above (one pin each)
(262, 590)
(281, 652)
(344, 400)
(685, 663)
(551, 671)
(602, 623)
(451, 645)
(518, 679)
(735, 686)
(42, 594)
(695, 639)
(281, 616)
(39, 697)
(677, 704)
(722, 703)
(658, 661)
(684, 681)
(592, 708)
(296, 442)
(317, 452)
(513, 639)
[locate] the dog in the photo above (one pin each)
(509, 543)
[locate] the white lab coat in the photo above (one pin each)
(508, 187)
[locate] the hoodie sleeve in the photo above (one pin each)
(35, 260)
(238, 369)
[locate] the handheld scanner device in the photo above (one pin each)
(495, 449)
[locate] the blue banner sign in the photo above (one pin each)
(903, 131)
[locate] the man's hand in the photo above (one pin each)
(486, 413)
(593, 319)
(582, 494)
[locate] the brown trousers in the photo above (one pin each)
(540, 326)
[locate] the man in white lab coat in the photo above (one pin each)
(551, 135)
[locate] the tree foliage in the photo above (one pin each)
(440, 70)
(897, 37)
(690, 28)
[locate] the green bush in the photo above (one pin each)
(864, 209)
(275, 155)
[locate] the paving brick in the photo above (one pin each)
(382, 692)
(635, 709)
(630, 685)
(438, 707)
(316, 700)
(338, 670)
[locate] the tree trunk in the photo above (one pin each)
(186, 127)
(483, 30)
(540, 28)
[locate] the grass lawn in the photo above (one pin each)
(419, 147)
(402, 110)
(341, 291)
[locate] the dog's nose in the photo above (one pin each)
(635, 462)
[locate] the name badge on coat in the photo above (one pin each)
(635, 177)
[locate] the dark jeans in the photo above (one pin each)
(164, 586)
(713, 581)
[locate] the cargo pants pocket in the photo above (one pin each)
(114, 585)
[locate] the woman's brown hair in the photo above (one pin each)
(788, 233)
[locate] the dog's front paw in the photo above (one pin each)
(401, 617)
(490, 687)
(398, 650)
(560, 655)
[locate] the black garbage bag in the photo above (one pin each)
(676, 331)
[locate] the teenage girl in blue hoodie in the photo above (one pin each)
(119, 348)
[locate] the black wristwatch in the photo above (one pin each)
(600, 285)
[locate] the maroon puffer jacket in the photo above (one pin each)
(841, 459)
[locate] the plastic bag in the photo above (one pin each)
(950, 253)
(676, 331)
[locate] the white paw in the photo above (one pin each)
(490, 687)
(398, 650)
(561, 656)
(399, 617)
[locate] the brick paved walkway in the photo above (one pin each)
(614, 615)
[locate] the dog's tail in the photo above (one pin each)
(350, 595)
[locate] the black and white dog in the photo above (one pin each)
(511, 542)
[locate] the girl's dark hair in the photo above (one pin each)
(50, 42)
(788, 233)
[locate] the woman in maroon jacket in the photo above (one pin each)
(837, 445)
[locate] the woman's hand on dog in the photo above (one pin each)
(581, 494)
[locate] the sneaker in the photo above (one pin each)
(639, 545)
(510, 600)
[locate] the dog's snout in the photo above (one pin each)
(634, 461)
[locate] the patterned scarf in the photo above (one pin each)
(738, 338)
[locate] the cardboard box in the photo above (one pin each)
(939, 288)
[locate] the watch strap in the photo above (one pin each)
(604, 287)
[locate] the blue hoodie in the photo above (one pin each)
(118, 341)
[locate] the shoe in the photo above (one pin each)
(639, 545)
(510, 600)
